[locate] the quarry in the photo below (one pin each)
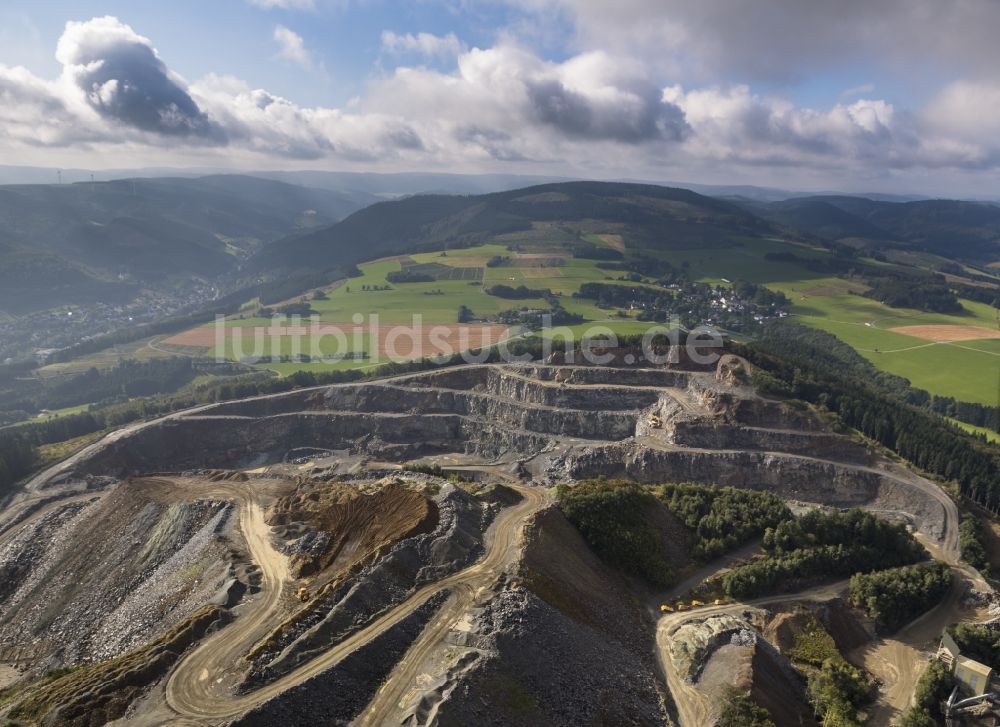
(390, 552)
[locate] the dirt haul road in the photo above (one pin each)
(200, 687)
(899, 660)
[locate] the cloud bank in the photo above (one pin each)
(601, 110)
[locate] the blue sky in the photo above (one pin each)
(236, 37)
(900, 94)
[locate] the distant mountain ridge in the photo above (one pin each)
(104, 241)
(653, 215)
(950, 228)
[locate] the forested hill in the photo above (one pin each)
(99, 242)
(950, 228)
(549, 214)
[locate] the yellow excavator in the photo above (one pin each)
(664, 608)
(302, 594)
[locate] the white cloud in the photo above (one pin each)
(734, 124)
(285, 4)
(595, 113)
(967, 109)
(292, 47)
(268, 124)
(507, 103)
(121, 77)
(425, 44)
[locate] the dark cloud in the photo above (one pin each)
(125, 81)
(576, 115)
(788, 40)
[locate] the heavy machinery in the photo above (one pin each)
(664, 608)
(302, 594)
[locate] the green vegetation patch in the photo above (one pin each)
(896, 596)
(722, 518)
(837, 691)
(934, 686)
(822, 545)
(739, 710)
(813, 645)
(970, 539)
(612, 518)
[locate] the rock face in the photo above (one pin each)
(790, 476)
(567, 646)
(693, 643)
(554, 422)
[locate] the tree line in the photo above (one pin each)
(803, 363)
(821, 545)
(17, 459)
(21, 398)
(521, 292)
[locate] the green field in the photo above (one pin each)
(462, 280)
(990, 435)
(966, 370)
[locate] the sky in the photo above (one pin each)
(891, 96)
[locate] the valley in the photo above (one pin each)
(550, 248)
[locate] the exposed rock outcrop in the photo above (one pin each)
(553, 422)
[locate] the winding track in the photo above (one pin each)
(196, 689)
